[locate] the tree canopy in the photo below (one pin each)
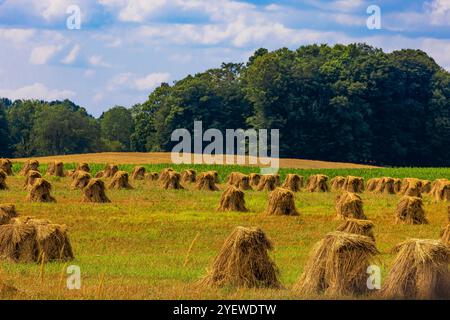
(352, 103)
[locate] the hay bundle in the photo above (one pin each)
(358, 226)
(338, 265)
(410, 211)
(17, 242)
(120, 181)
(151, 176)
(172, 181)
(6, 165)
(441, 190)
(232, 199)
(52, 241)
(239, 180)
(94, 191)
(70, 172)
(268, 182)
(3, 176)
(317, 183)
(40, 191)
(445, 235)
(372, 184)
(30, 178)
(138, 173)
(282, 202)
(243, 261)
(385, 185)
(397, 185)
(349, 205)
(206, 181)
(426, 186)
(420, 271)
(293, 182)
(80, 179)
(164, 175)
(337, 183)
(108, 172)
(29, 165)
(83, 167)
(435, 184)
(7, 212)
(411, 187)
(188, 176)
(215, 174)
(353, 184)
(254, 179)
(55, 168)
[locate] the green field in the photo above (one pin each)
(136, 246)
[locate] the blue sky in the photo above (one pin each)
(125, 49)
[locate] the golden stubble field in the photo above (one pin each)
(137, 246)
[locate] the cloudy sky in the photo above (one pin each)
(126, 48)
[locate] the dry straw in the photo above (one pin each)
(254, 179)
(337, 183)
(282, 202)
(3, 185)
(138, 173)
(441, 190)
(385, 185)
(95, 192)
(426, 186)
(349, 205)
(420, 271)
(358, 226)
(293, 182)
(243, 261)
(353, 184)
(317, 183)
(55, 168)
(29, 165)
(172, 181)
(206, 182)
(232, 199)
(120, 181)
(239, 180)
(445, 235)
(30, 177)
(80, 179)
(372, 184)
(411, 187)
(40, 191)
(151, 176)
(410, 211)
(188, 176)
(337, 265)
(6, 165)
(268, 182)
(7, 212)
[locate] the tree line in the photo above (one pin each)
(350, 103)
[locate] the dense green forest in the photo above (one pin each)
(350, 103)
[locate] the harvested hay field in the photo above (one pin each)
(152, 243)
(243, 261)
(420, 271)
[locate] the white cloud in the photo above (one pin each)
(439, 12)
(72, 56)
(17, 35)
(151, 81)
(41, 54)
(36, 91)
(134, 10)
(98, 97)
(97, 61)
